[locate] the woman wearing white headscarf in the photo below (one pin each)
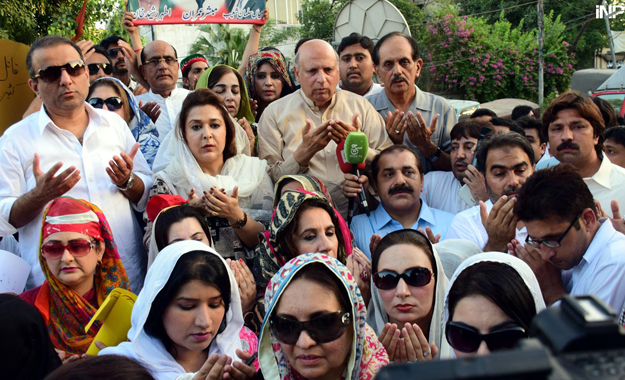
(188, 282)
(489, 306)
(407, 295)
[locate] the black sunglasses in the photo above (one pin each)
(465, 338)
(322, 329)
(94, 67)
(112, 104)
(387, 279)
(52, 73)
(112, 53)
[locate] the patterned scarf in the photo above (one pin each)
(67, 313)
(309, 183)
(277, 61)
(367, 354)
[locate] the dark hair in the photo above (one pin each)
(413, 44)
(558, 191)
(324, 277)
(301, 42)
(48, 42)
(617, 134)
(110, 40)
(405, 236)
(375, 164)
(118, 90)
(195, 265)
(521, 111)
(467, 129)
(610, 117)
(512, 126)
(220, 71)
(99, 368)
(586, 109)
(356, 38)
(202, 97)
(499, 283)
(530, 122)
(100, 50)
(502, 140)
(482, 112)
(285, 238)
(175, 215)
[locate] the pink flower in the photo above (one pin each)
(566, 43)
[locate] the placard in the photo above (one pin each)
(154, 12)
(15, 95)
(14, 272)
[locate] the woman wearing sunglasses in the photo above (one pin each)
(112, 95)
(407, 296)
(188, 318)
(315, 324)
(491, 301)
(81, 266)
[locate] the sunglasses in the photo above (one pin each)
(52, 73)
(95, 67)
(112, 53)
(78, 248)
(112, 104)
(322, 329)
(387, 280)
(467, 339)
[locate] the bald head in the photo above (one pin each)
(160, 67)
(317, 71)
(315, 47)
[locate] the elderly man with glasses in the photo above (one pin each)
(569, 248)
(70, 148)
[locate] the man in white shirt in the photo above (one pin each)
(70, 148)
(356, 65)
(506, 161)
(440, 189)
(397, 178)
(160, 69)
(575, 127)
(569, 249)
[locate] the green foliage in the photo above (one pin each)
(317, 18)
(224, 45)
(272, 35)
(484, 62)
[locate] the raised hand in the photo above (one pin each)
(245, 282)
(395, 126)
(475, 180)
(213, 367)
(225, 206)
(48, 186)
(120, 168)
(152, 109)
(414, 345)
(418, 131)
(431, 237)
(86, 47)
(339, 129)
(500, 224)
(127, 23)
(313, 140)
(389, 337)
(238, 370)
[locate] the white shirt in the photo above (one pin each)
(170, 109)
(468, 225)
(602, 269)
(106, 135)
(374, 89)
(607, 185)
(440, 191)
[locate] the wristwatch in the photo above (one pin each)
(241, 222)
(131, 181)
(433, 158)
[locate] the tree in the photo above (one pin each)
(224, 45)
(317, 18)
(26, 20)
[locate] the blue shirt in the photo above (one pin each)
(439, 221)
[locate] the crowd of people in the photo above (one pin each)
(222, 205)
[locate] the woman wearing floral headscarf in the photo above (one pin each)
(319, 290)
(81, 265)
(267, 77)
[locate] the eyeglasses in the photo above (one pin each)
(113, 103)
(94, 67)
(387, 280)
(112, 53)
(467, 339)
(322, 329)
(155, 61)
(551, 243)
(52, 73)
(78, 248)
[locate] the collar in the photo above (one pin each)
(599, 241)
(44, 119)
(312, 105)
(381, 218)
(420, 101)
(602, 176)
(159, 96)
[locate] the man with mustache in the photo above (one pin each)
(299, 133)
(440, 189)
(569, 248)
(356, 65)
(117, 57)
(506, 160)
(397, 178)
(575, 127)
(160, 69)
(418, 119)
(70, 148)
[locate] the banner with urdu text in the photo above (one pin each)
(154, 12)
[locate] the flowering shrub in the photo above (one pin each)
(486, 62)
